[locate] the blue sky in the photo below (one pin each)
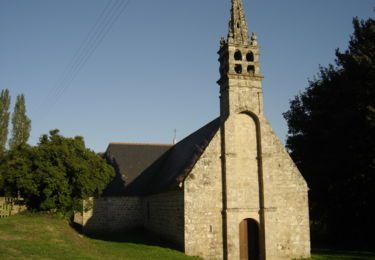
(155, 70)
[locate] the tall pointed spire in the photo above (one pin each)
(238, 32)
(239, 67)
(239, 54)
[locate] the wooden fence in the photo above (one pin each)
(5, 209)
(10, 206)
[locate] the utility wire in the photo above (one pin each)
(83, 45)
(94, 44)
(94, 38)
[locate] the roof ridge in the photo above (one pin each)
(174, 165)
(150, 144)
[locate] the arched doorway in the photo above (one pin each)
(249, 240)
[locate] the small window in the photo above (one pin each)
(251, 69)
(250, 56)
(238, 68)
(237, 55)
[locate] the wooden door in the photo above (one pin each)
(249, 240)
(244, 240)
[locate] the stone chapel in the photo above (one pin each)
(227, 191)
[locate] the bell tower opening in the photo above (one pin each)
(250, 57)
(237, 55)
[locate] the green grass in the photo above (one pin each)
(39, 237)
(327, 254)
(49, 237)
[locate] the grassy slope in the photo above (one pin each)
(341, 255)
(48, 237)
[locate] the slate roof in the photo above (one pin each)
(129, 161)
(167, 172)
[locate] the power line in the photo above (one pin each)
(67, 69)
(92, 46)
(92, 41)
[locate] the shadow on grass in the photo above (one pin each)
(135, 236)
(344, 254)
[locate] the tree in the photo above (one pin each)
(21, 124)
(65, 173)
(57, 175)
(4, 118)
(16, 172)
(332, 140)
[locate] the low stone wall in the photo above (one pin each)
(164, 216)
(111, 214)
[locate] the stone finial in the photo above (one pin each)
(254, 41)
(222, 41)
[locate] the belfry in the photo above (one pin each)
(227, 191)
(249, 152)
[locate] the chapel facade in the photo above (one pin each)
(227, 191)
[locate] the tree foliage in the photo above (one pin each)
(4, 118)
(21, 123)
(57, 175)
(332, 140)
(16, 171)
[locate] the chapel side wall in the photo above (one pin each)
(286, 201)
(111, 214)
(203, 205)
(163, 215)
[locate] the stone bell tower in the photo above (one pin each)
(241, 111)
(264, 196)
(239, 67)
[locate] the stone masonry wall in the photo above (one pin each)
(111, 214)
(286, 201)
(203, 205)
(163, 215)
(286, 204)
(286, 219)
(242, 177)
